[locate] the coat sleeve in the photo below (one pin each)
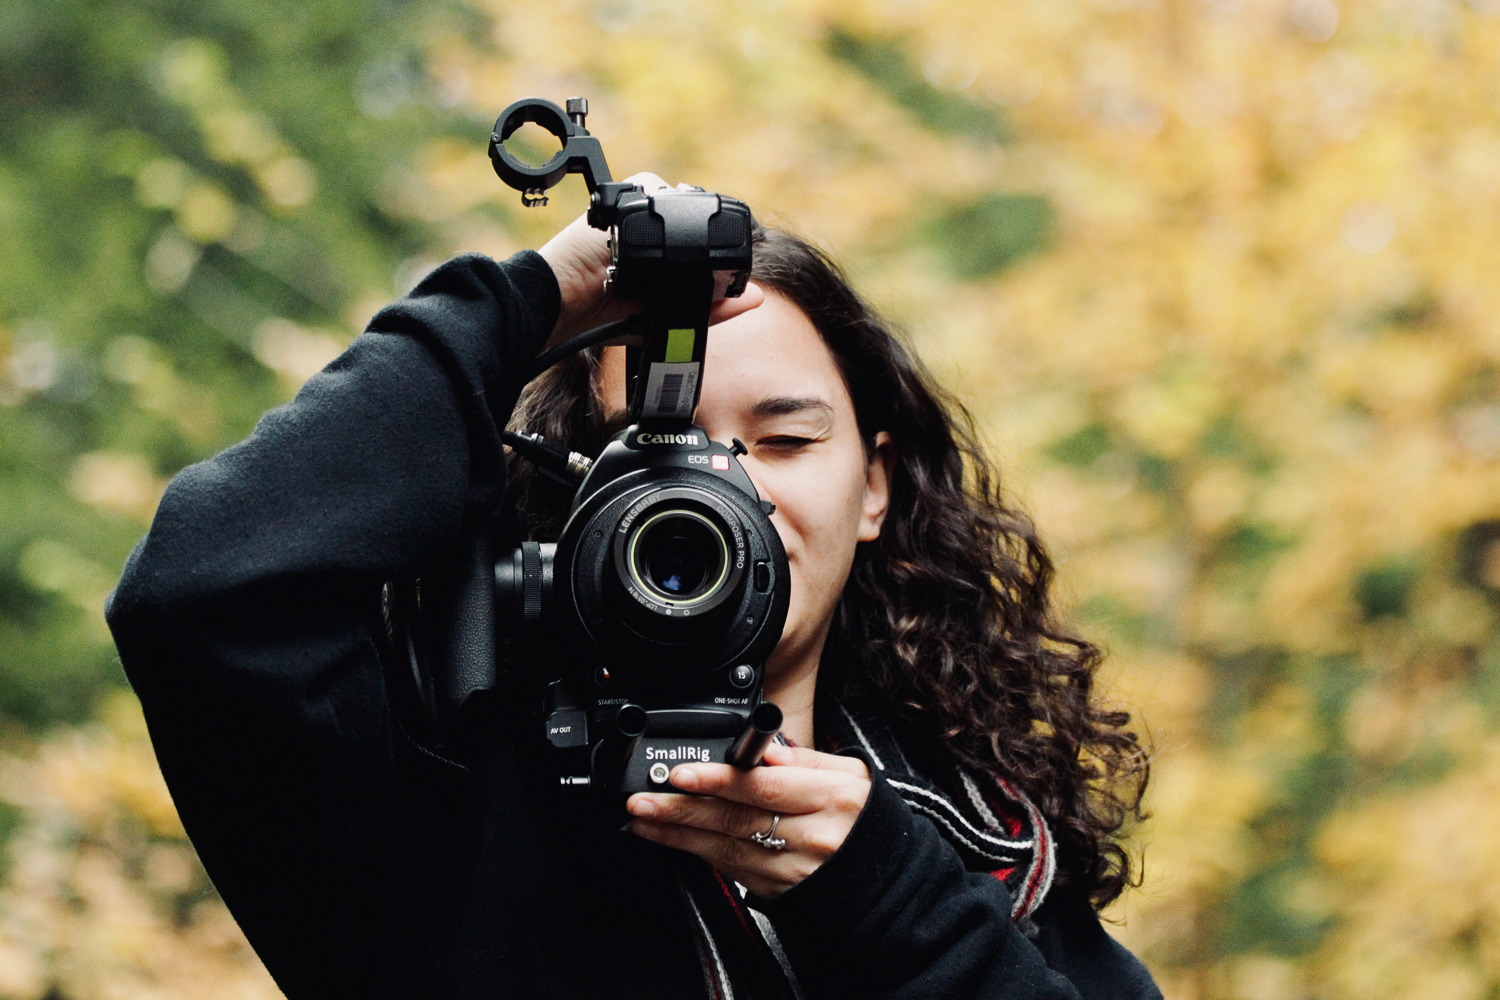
(247, 618)
(895, 915)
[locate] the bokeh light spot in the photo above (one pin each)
(1369, 226)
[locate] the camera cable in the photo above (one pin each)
(631, 326)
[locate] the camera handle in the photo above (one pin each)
(674, 251)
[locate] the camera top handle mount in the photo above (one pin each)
(581, 152)
(674, 251)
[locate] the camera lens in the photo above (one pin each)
(675, 565)
(680, 556)
(674, 555)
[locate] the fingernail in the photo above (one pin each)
(685, 777)
(643, 807)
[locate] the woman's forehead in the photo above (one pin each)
(771, 361)
(768, 362)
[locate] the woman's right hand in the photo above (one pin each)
(579, 257)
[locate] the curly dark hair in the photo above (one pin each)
(948, 615)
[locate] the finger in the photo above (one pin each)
(743, 859)
(647, 180)
(785, 790)
(724, 309)
(778, 755)
(733, 819)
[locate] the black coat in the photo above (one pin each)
(362, 864)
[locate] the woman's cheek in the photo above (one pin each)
(774, 488)
(789, 496)
(817, 519)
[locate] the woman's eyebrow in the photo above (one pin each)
(780, 406)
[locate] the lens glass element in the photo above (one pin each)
(679, 556)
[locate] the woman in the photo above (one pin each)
(934, 826)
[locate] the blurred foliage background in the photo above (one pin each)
(1216, 276)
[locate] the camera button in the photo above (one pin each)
(659, 773)
(742, 676)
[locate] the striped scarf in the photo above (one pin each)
(988, 821)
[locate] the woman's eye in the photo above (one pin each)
(785, 442)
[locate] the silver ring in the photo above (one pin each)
(769, 839)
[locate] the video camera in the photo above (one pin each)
(668, 587)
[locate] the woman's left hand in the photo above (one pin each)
(817, 795)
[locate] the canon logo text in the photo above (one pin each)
(668, 439)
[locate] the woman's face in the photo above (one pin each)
(770, 381)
